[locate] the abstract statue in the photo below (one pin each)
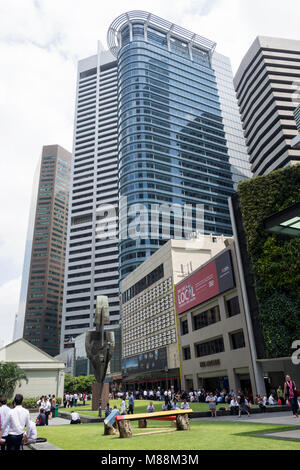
(100, 344)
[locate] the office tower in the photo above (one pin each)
(296, 140)
(156, 123)
(176, 99)
(92, 262)
(40, 308)
(266, 84)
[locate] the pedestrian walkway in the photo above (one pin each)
(283, 418)
(52, 421)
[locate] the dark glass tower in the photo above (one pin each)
(172, 142)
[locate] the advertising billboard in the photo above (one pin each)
(205, 283)
(150, 361)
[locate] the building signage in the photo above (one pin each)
(207, 282)
(146, 362)
(215, 362)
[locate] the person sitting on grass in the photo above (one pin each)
(261, 404)
(185, 405)
(272, 400)
(75, 418)
(175, 405)
(150, 407)
(234, 406)
(41, 418)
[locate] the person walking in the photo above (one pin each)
(17, 419)
(130, 403)
(242, 405)
(123, 406)
(290, 393)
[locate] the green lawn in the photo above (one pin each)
(140, 406)
(203, 435)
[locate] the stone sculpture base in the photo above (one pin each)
(183, 422)
(125, 429)
(109, 430)
(96, 396)
(142, 423)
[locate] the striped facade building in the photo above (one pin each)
(267, 84)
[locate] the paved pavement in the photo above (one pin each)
(53, 421)
(282, 418)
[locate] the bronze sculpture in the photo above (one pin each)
(100, 344)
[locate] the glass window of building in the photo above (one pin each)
(209, 317)
(186, 353)
(210, 347)
(237, 340)
(184, 327)
(233, 307)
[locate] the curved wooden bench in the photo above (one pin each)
(181, 416)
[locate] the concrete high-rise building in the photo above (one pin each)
(156, 123)
(266, 84)
(41, 297)
(92, 262)
(296, 140)
(150, 355)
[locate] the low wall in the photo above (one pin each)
(196, 414)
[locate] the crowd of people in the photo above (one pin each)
(237, 403)
(71, 399)
(14, 420)
(12, 424)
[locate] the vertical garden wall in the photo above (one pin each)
(274, 259)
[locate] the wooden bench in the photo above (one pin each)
(181, 416)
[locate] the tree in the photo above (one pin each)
(10, 376)
(80, 384)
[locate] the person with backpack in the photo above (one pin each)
(290, 393)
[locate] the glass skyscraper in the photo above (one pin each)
(156, 123)
(173, 146)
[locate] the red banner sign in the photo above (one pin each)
(205, 283)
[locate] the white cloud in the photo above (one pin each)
(40, 43)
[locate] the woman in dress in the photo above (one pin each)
(212, 400)
(290, 393)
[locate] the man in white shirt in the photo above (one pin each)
(4, 412)
(75, 418)
(30, 436)
(272, 400)
(47, 409)
(185, 405)
(14, 425)
(234, 406)
(123, 407)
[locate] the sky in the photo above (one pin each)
(40, 44)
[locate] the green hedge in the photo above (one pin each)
(275, 261)
(30, 403)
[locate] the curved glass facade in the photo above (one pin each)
(172, 145)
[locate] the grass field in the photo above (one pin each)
(140, 406)
(203, 435)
